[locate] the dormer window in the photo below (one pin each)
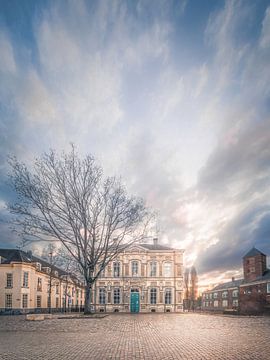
(38, 266)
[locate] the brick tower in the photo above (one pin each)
(254, 264)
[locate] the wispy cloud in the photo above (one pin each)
(190, 136)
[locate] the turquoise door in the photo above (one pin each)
(134, 302)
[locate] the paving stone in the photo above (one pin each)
(142, 336)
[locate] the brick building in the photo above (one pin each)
(30, 284)
(143, 278)
(250, 295)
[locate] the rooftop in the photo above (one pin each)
(253, 252)
(15, 255)
(156, 247)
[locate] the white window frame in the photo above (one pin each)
(116, 269)
(24, 301)
(224, 295)
(39, 301)
(102, 296)
(224, 303)
(8, 301)
(167, 266)
(9, 280)
(168, 296)
(153, 296)
(153, 269)
(116, 296)
(135, 268)
(25, 279)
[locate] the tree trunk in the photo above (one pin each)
(88, 293)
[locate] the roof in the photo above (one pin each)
(253, 252)
(16, 255)
(264, 277)
(156, 247)
(228, 285)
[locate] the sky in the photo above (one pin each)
(173, 96)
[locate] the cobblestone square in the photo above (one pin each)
(143, 336)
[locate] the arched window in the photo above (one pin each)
(168, 296)
(135, 268)
(153, 296)
(167, 269)
(153, 268)
(116, 269)
(116, 296)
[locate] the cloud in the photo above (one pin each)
(190, 136)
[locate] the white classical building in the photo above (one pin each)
(143, 278)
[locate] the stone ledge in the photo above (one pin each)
(34, 317)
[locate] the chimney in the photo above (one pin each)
(233, 279)
(155, 241)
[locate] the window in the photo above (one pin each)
(38, 301)
(153, 296)
(25, 279)
(39, 284)
(49, 302)
(168, 296)
(57, 302)
(210, 296)
(225, 294)
(235, 293)
(268, 288)
(235, 302)
(167, 269)
(153, 268)
(116, 269)
(25, 300)
(215, 295)
(134, 268)
(9, 281)
(102, 296)
(206, 296)
(224, 303)
(216, 303)
(8, 302)
(116, 296)
(57, 289)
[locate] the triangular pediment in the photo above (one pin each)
(135, 248)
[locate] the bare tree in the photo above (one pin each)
(68, 199)
(186, 283)
(193, 287)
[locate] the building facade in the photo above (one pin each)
(143, 278)
(30, 284)
(250, 295)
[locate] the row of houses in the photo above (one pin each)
(30, 284)
(143, 278)
(249, 295)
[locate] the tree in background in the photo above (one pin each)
(190, 288)
(67, 199)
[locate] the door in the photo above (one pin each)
(134, 302)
